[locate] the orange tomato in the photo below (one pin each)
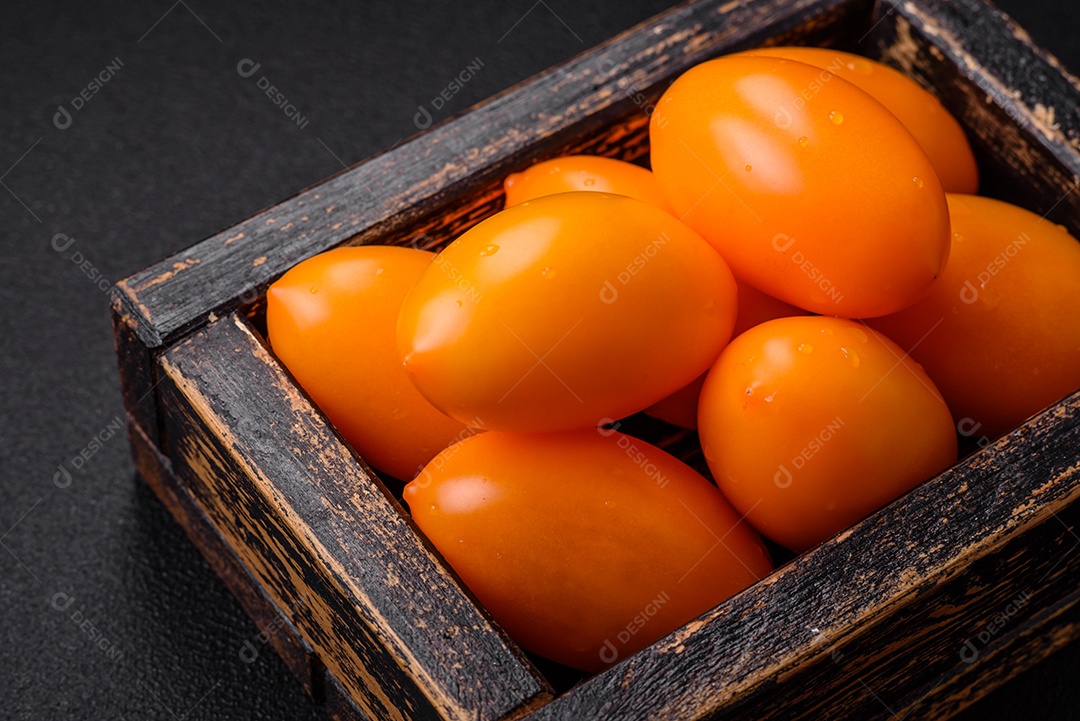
(332, 320)
(809, 424)
(564, 312)
(585, 546)
(813, 192)
(940, 136)
(680, 408)
(999, 332)
(584, 172)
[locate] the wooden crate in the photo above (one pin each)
(917, 611)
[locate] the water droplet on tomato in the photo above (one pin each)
(836, 117)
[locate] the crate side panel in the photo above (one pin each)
(1006, 657)
(943, 638)
(731, 659)
(465, 157)
(327, 540)
(135, 362)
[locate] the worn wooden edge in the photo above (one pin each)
(137, 370)
(274, 627)
(328, 542)
(461, 158)
(1020, 106)
(1007, 656)
(871, 588)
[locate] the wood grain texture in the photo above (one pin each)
(1020, 107)
(138, 373)
(881, 614)
(448, 176)
(327, 542)
(274, 628)
(1007, 655)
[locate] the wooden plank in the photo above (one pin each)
(274, 627)
(882, 610)
(1006, 656)
(452, 170)
(137, 369)
(327, 541)
(1021, 108)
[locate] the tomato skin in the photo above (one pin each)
(999, 332)
(680, 408)
(938, 132)
(828, 203)
(332, 321)
(810, 424)
(566, 538)
(584, 172)
(565, 312)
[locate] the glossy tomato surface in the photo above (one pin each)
(584, 172)
(585, 546)
(331, 321)
(680, 408)
(940, 136)
(1000, 332)
(813, 192)
(566, 312)
(810, 424)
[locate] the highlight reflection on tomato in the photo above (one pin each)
(565, 311)
(827, 203)
(811, 423)
(938, 133)
(569, 538)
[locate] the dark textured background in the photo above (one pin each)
(174, 148)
